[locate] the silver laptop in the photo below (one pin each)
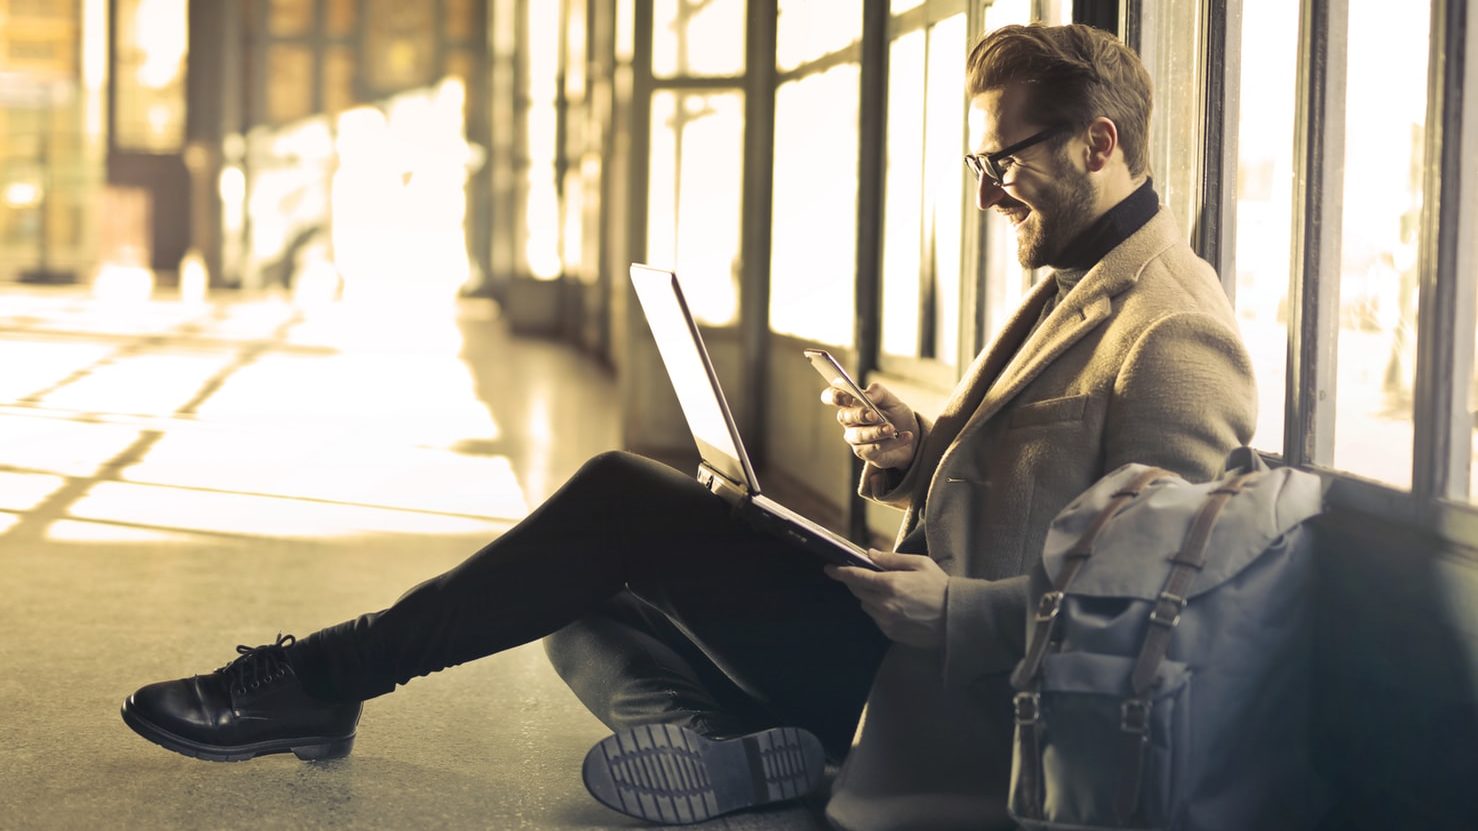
(724, 467)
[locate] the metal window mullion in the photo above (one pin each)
(522, 104)
(1319, 156)
(438, 43)
(973, 271)
(1442, 425)
(699, 83)
(640, 131)
(561, 127)
(927, 296)
(755, 220)
(320, 56)
(260, 48)
(1218, 226)
(1131, 23)
(872, 118)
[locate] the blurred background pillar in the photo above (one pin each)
(212, 112)
(146, 113)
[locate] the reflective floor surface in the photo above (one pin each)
(177, 478)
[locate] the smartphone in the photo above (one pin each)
(823, 362)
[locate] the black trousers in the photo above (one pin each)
(660, 607)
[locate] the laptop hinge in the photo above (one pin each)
(719, 484)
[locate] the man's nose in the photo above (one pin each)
(987, 193)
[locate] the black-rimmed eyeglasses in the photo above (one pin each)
(989, 164)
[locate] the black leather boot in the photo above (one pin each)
(253, 706)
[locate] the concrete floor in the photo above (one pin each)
(178, 478)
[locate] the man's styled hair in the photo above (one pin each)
(1076, 73)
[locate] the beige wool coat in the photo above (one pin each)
(1140, 362)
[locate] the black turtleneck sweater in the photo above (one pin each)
(1106, 232)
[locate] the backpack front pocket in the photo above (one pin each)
(1095, 748)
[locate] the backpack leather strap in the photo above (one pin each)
(1027, 703)
(1045, 618)
(1164, 617)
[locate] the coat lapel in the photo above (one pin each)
(990, 387)
(1073, 318)
(982, 373)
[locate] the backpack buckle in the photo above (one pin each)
(1134, 715)
(1028, 708)
(1049, 606)
(1167, 610)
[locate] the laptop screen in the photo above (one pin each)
(691, 372)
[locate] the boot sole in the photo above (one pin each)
(307, 748)
(672, 775)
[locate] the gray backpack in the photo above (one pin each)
(1166, 680)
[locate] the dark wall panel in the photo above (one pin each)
(1397, 663)
(168, 183)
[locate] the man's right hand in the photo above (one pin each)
(871, 441)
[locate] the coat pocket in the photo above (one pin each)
(1067, 408)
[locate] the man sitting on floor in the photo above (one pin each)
(708, 646)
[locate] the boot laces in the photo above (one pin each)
(258, 665)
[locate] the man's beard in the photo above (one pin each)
(1058, 218)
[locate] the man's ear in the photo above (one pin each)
(1103, 139)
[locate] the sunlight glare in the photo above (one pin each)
(123, 284)
(332, 465)
(399, 202)
(261, 516)
(156, 383)
(194, 278)
(813, 250)
(25, 491)
(61, 446)
(77, 531)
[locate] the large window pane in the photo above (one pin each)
(339, 18)
(814, 238)
(808, 29)
(1385, 116)
(1265, 203)
(289, 18)
(541, 209)
(52, 58)
(338, 79)
(944, 181)
(1009, 281)
(696, 37)
(903, 188)
(1006, 13)
(1006, 281)
(1171, 32)
(152, 40)
(694, 197)
(924, 192)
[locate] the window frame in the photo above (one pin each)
(1447, 260)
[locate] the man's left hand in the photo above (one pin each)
(906, 599)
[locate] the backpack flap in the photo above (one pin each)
(1133, 554)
